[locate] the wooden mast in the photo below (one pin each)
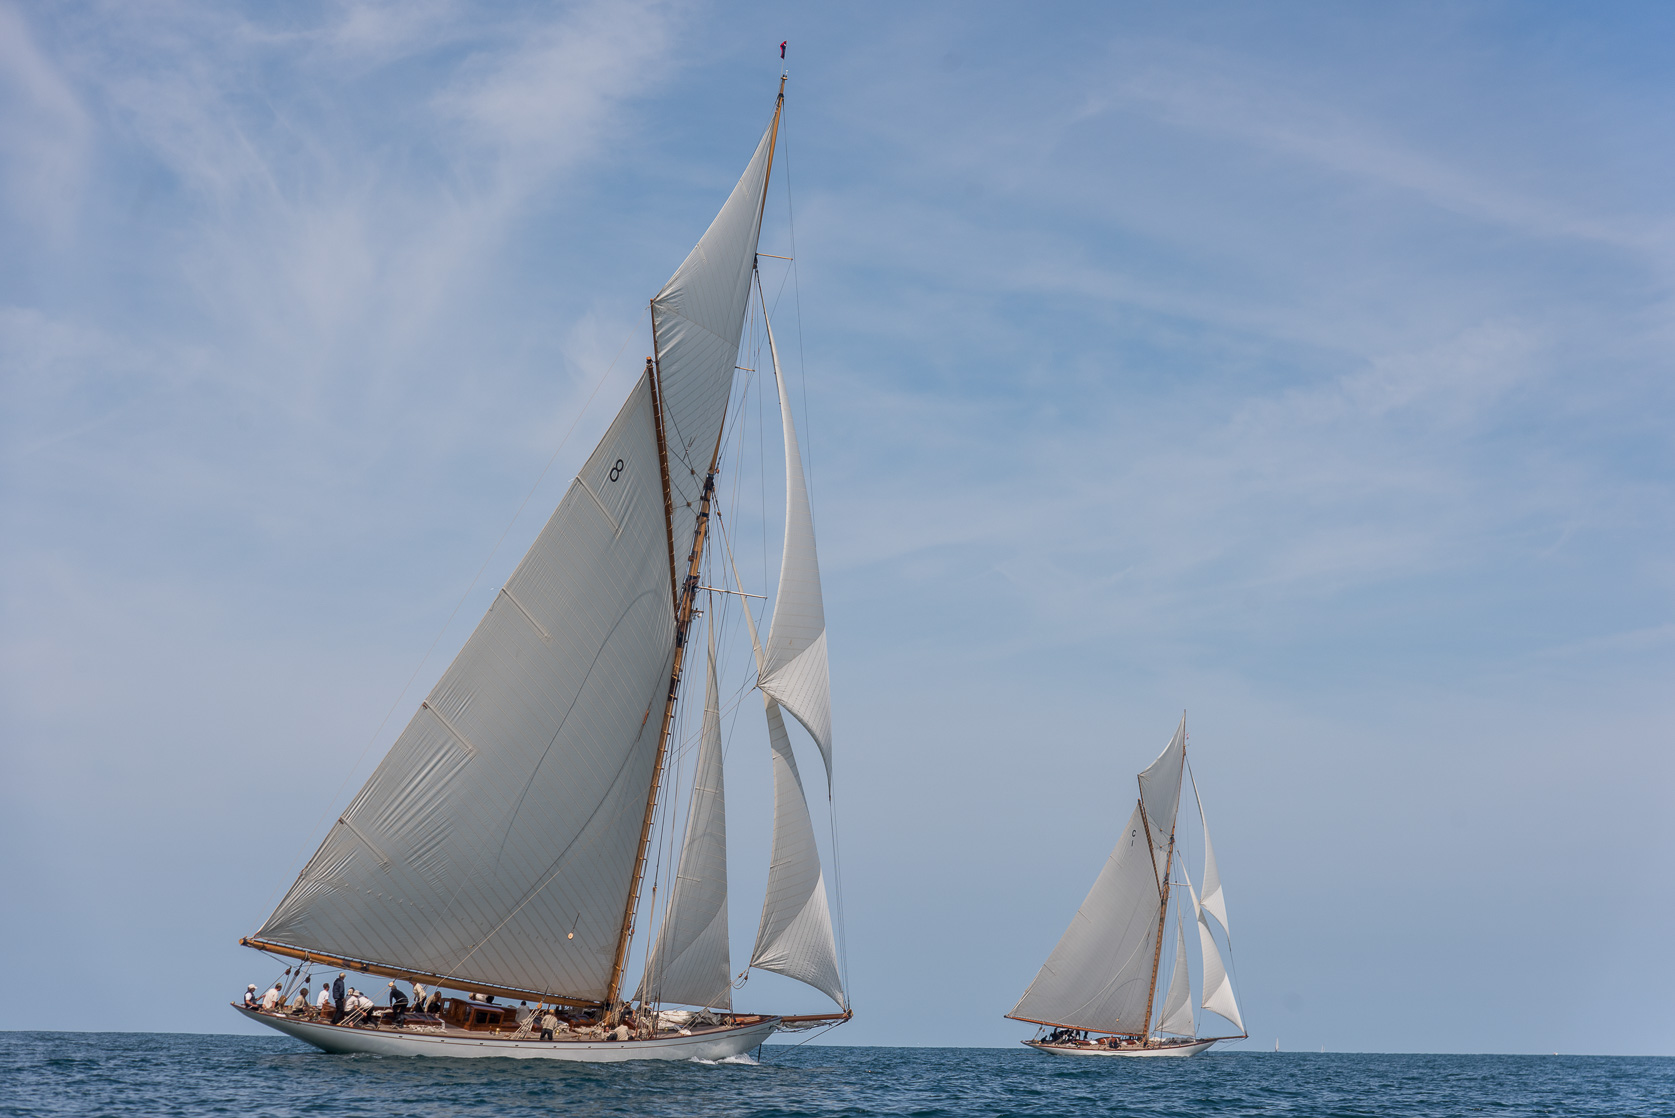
(685, 598)
(1163, 885)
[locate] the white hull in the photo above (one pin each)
(345, 1040)
(1189, 1049)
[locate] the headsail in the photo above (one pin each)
(795, 937)
(1218, 990)
(1212, 901)
(687, 964)
(1100, 974)
(796, 672)
(496, 842)
(1177, 1005)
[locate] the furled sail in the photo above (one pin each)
(696, 320)
(496, 841)
(1218, 990)
(796, 672)
(795, 937)
(687, 964)
(1177, 1004)
(1099, 976)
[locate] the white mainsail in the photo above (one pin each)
(795, 936)
(497, 840)
(687, 964)
(796, 672)
(1177, 1004)
(1099, 976)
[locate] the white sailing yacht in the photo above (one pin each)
(500, 848)
(1097, 991)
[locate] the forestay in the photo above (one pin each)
(687, 964)
(796, 672)
(1099, 976)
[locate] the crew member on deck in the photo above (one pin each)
(398, 1004)
(250, 996)
(339, 992)
(324, 1000)
(270, 1000)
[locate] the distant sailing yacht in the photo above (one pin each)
(1102, 976)
(500, 847)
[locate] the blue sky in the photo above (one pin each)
(1303, 366)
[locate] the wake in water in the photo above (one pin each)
(741, 1058)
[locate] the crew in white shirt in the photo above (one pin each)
(270, 1000)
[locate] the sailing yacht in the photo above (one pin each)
(1096, 995)
(500, 848)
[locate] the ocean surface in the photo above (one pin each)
(96, 1074)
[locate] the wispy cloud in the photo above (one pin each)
(44, 130)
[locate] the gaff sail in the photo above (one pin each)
(496, 842)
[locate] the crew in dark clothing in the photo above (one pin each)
(435, 1005)
(339, 992)
(398, 1004)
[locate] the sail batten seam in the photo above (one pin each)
(546, 637)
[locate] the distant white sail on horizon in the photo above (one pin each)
(496, 842)
(688, 962)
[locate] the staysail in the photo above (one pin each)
(795, 936)
(1100, 975)
(496, 842)
(1218, 990)
(796, 672)
(1177, 1004)
(1212, 901)
(687, 964)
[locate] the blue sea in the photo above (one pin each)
(96, 1074)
